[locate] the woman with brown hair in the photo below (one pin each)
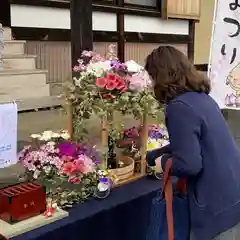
(202, 148)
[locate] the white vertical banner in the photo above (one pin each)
(224, 64)
(8, 134)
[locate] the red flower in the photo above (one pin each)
(132, 132)
(74, 180)
(111, 77)
(124, 90)
(120, 83)
(111, 85)
(101, 82)
(108, 96)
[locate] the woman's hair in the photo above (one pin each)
(173, 74)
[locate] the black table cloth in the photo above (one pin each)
(124, 215)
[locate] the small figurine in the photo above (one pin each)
(52, 207)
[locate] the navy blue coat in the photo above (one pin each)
(204, 151)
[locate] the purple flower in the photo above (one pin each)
(68, 149)
(115, 64)
(157, 134)
(97, 161)
(89, 151)
(104, 180)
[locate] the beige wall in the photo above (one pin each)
(203, 32)
(56, 57)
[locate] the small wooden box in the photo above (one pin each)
(22, 201)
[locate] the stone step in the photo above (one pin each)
(13, 47)
(16, 84)
(7, 33)
(20, 62)
(39, 103)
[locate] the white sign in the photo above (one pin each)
(224, 65)
(8, 134)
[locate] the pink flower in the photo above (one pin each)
(79, 68)
(86, 53)
(101, 82)
(154, 127)
(79, 166)
(97, 58)
(68, 168)
(74, 180)
(85, 164)
(139, 81)
(136, 83)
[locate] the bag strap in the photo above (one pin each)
(168, 190)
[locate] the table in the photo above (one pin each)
(124, 215)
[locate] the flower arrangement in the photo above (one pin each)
(103, 85)
(131, 141)
(69, 170)
(157, 136)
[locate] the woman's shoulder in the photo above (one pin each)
(196, 100)
(199, 104)
(191, 96)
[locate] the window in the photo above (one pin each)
(149, 3)
(104, 1)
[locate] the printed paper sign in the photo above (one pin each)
(224, 66)
(8, 134)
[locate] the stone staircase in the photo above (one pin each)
(20, 81)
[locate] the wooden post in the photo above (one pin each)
(120, 30)
(81, 39)
(70, 119)
(104, 139)
(191, 40)
(164, 9)
(81, 27)
(144, 139)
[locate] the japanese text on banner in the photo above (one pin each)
(225, 54)
(8, 134)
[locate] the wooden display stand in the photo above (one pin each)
(13, 230)
(124, 174)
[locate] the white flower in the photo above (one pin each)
(65, 135)
(35, 136)
(133, 66)
(36, 174)
(47, 169)
(98, 68)
(56, 135)
(77, 82)
(47, 133)
(46, 136)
